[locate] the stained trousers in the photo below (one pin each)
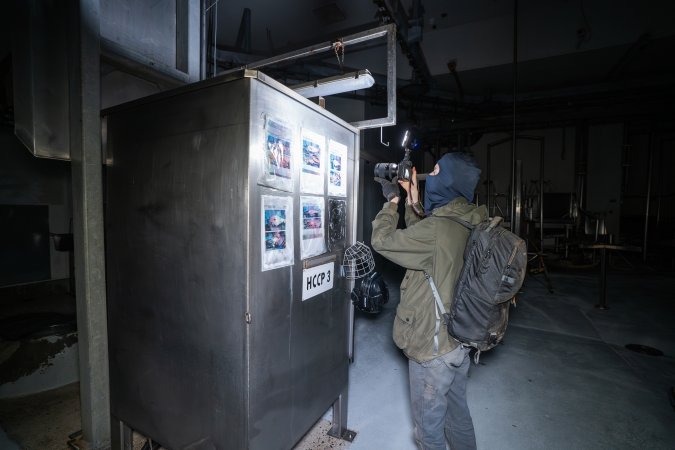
(438, 399)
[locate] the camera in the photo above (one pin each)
(401, 170)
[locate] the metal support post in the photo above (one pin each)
(122, 435)
(581, 163)
(650, 168)
(541, 194)
(659, 186)
(518, 199)
(604, 260)
(515, 96)
(203, 53)
(86, 173)
(339, 426)
(603, 279)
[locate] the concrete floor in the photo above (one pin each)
(562, 379)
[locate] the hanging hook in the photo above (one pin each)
(339, 48)
(381, 141)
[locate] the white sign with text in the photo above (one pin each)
(317, 280)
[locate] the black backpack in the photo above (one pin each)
(495, 261)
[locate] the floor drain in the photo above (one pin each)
(644, 349)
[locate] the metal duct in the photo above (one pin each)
(161, 47)
(40, 61)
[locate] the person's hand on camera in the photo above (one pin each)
(413, 193)
(411, 188)
(390, 189)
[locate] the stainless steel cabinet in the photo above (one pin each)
(207, 349)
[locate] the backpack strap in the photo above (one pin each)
(434, 290)
(437, 298)
(439, 308)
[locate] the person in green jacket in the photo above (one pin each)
(438, 365)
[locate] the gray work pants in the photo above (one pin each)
(438, 398)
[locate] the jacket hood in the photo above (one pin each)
(463, 210)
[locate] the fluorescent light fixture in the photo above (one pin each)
(324, 87)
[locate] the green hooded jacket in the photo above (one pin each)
(435, 245)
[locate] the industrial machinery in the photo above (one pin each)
(229, 205)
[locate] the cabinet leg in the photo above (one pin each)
(339, 426)
(121, 435)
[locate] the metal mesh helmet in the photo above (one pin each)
(371, 294)
(358, 261)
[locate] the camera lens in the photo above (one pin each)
(386, 170)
